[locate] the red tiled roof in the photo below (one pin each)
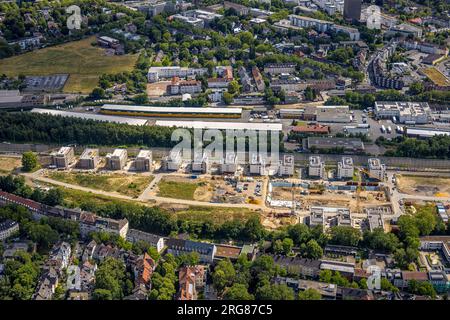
(316, 128)
(22, 201)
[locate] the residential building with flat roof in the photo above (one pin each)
(172, 162)
(345, 168)
(63, 157)
(156, 73)
(143, 161)
(377, 170)
(117, 160)
(316, 167)
(201, 163)
(230, 163)
(90, 158)
(286, 166)
(328, 217)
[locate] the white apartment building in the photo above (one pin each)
(90, 159)
(323, 26)
(286, 166)
(405, 112)
(316, 167)
(172, 162)
(257, 165)
(156, 73)
(329, 217)
(230, 164)
(345, 168)
(143, 161)
(201, 163)
(117, 160)
(182, 87)
(377, 170)
(63, 157)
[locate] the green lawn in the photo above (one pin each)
(84, 62)
(177, 190)
(129, 185)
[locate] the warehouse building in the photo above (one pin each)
(117, 160)
(345, 168)
(339, 114)
(327, 143)
(222, 125)
(89, 159)
(91, 116)
(316, 168)
(63, 158)
(425, 132)
(377, 170)
(404, 112)
(183, 112)
(143, 161)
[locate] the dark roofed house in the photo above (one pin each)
(354, 294)
(305, 267)
(207, 251)
(152, 239)
(225, 251)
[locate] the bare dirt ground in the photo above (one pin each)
(157, 89)
(426, 186)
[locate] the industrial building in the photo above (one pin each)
(230, 163)
(425, 132)
(404, 112)
(143, 161)
(286, 166)
(172, 162)
(63, 157)
(221, 125)
(339, 114)
(326, 143)
(377, 170)
(184, 112)
(345, 168)
(116, 160)
(90, 158)
(92, 116)
(316, 167)
(201, 163)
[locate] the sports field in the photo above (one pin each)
(84, 62)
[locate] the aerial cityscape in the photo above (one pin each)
(225, 150)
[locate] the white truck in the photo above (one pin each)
(383, 129)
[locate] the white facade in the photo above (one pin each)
(316, 167)
(155, 73)
(89, 159)
(63, 157)
(201, 164)
(405, 112)
(117, 160)
(376, 169)
(258, 165)
(286, 166)
(143, 161)
(230, 164)
(345, 168)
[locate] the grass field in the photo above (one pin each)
(8, 164)
(80, 59)
(436, 76)
(129, 185)
(215, 214)
(177, 189)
